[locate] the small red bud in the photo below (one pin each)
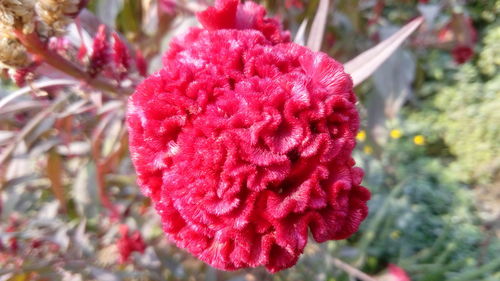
(82, 52)
(100, 54)
(120, 55)
(141, 63)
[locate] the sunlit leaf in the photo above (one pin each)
(366, 63)
(318, 26)
(300, 37)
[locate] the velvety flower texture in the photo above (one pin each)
(243, 142)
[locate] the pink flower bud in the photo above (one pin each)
(120, 56)
(82, 52)
(141, 64)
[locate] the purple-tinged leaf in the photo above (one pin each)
(28, 128)
(34, 86)
(364, 65)
(22, 106)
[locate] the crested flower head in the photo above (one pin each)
(243, 141)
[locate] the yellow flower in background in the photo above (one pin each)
(395, 234)
(419, 140)
(396, 134)
(368, 149)
(361, 136)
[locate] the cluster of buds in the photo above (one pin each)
(111, 58)
(31, 33)
(46, 18)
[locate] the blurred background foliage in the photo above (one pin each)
(429, 144)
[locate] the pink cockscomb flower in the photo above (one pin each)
(243, 142)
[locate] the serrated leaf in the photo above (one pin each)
(366, 63)
(318, 26)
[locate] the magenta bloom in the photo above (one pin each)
(243, 142)
(129, 243)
